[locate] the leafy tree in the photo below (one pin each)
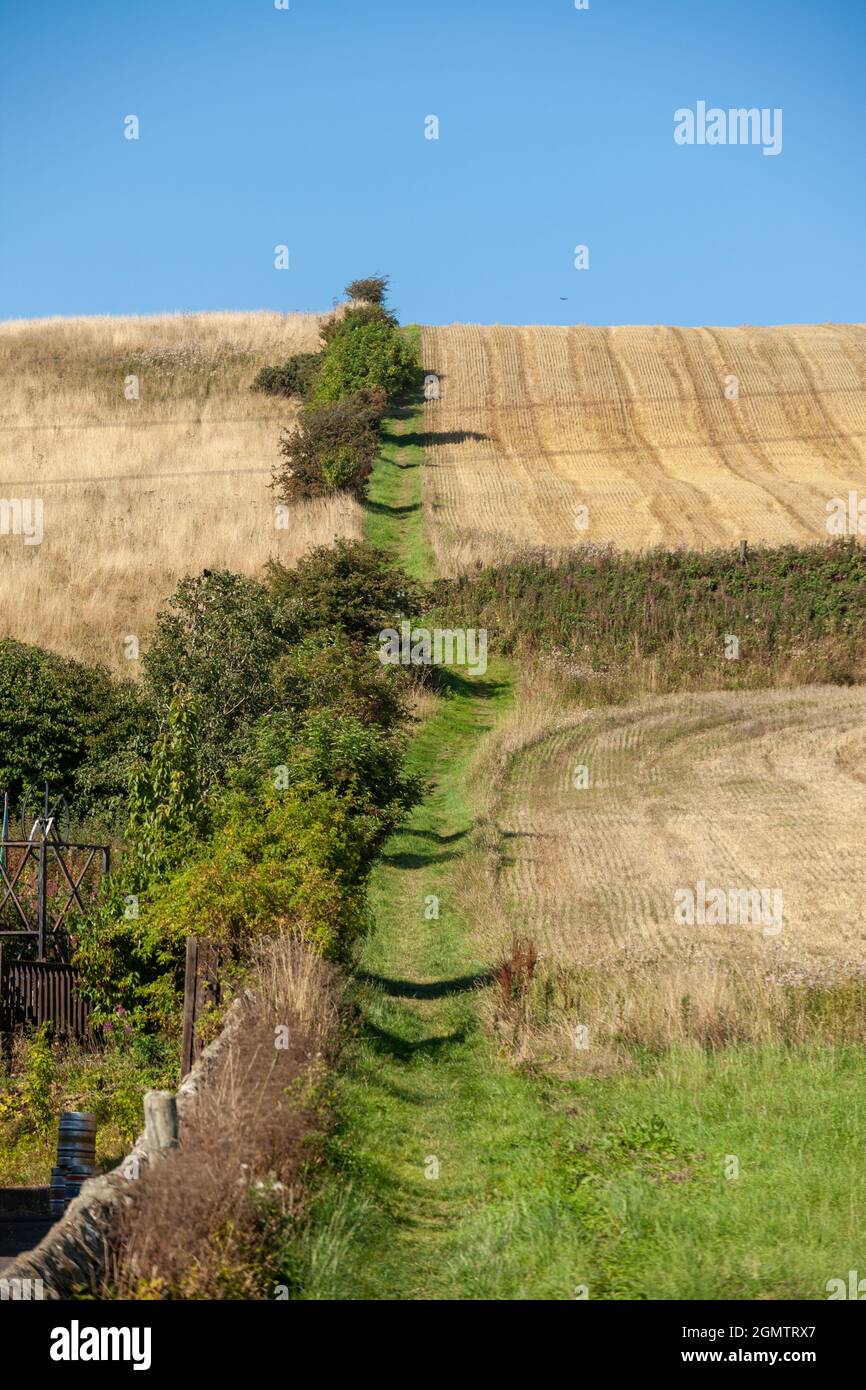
(70, 724)
(218, 638)
(371, 289)
(371, 356)
(166, 812)
(168, 821)
(350, 585)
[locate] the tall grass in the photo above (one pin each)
(139, 493)
(212, 1219)
(620, 625)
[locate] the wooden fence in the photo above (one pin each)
(42, 991)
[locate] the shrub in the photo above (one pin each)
(358, 316)
(329, 670)
(166, 811)
(39, 1075)
(337, 754)
(294, 377)
(332, 447)
(218, 638)
(369, 356)
(349, 585)
(280, 861)
(69, 724)
(371, 289)
(167, 820)
(656, 621)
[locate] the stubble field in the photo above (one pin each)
(634, 424)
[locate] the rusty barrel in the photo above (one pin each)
(76, 1157)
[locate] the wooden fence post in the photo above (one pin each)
(160, 1121)
(200, 988)
(2, 1014)
(189, 992)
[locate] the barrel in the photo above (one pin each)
(57, 1192)
(76, 1139)
(75, 1179)
(76, 1157)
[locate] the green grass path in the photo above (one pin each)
(431, 1118)
(440, 1140)
(395, 520)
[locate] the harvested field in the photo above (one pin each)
(634, 424)
(736, 790)
(138, 493)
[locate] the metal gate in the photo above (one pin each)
(45, 876)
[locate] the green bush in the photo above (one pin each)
(39, 1074)
(168, 820)
(294, 377)
(218, 638)
(332, 448)
(336, 753)
(282, 860)
(277, 860)
(166, 812)
(329, 670)
(69, 724)
(358, 316)
(370, 356)
(349, 585)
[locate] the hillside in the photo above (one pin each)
(634, 424)
(138, 493)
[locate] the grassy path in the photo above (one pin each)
(430, 1117)
(395, 520)
(437, 1176)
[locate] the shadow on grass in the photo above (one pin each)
(431, 835)
(385, 508)
(436, 989)
(426, 439)
(417, 859)
(392, 1045)
(451, 682)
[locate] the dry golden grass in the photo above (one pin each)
(208, 1221)
(139, 493)
(741, 790)
(634, 424)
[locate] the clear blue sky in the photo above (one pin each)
(306, 127)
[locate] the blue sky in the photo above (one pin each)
(305, 127)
